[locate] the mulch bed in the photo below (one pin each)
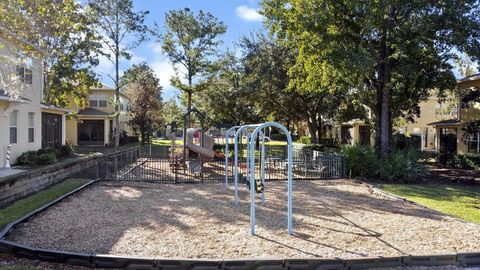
(340, 218)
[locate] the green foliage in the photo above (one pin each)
(66, 150)
(26, 205)
(191, 42)
(145, 93)
(305, 140)
(361, 160)
(401, 166)
(389, 52)
(45, 156)
(46, 159)
(27, 158)
(464, 162)
(63, 37)
(278, 137)
(403, 141)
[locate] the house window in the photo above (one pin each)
(473, 143)
(93, 103)
(31, 127)
(102, 103)
(121, 106)
(24, 74)
(13, 127)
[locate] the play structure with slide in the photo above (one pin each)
(197, 146)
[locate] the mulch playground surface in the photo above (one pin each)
(336, 218)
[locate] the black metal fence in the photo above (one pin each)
(156, 164)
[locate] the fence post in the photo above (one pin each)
(342, 166)
(97, 159)
(150, 150)
(175, 169)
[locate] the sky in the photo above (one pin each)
(240, 17)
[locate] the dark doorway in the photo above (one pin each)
(346, 134)
(364, 135)
(448, 141)
(91, 132)
(51, 130)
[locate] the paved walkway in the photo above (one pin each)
(4, 172)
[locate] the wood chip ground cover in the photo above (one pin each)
(331, 219)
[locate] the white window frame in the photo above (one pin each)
(471, 138)
(31, 127)
(13, 125)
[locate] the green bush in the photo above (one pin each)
(361, 160)
(66, 150)
(401, 166)
(278, 137)
(46, 159)
(305, 140)
(27, 158)
(50, 151)
(464, 162)
(315, 146)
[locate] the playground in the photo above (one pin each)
(337, 218)
(249, 204)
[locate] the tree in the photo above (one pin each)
(172, 114)
(396, 51)
(225, 101)
(60, 34)
(283, 89)
(190, 42)
(145, 93)
(120, 29)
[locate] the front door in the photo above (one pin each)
(448, 141)
(51, 130)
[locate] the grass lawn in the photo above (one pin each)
(459, 201)
(28, 204)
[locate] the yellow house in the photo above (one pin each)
(451, 136)
(432, 110)
(440, 124)
(93, 125)
(27, 123)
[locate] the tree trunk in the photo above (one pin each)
(189, 107)
(312, 129)
(319, 129)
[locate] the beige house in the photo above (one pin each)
(93, 125)
(440, 124)
(27, 124)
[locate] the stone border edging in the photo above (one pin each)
(111, 261)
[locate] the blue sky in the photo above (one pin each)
(240, 17)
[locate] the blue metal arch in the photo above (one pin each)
(251, 145)
(226, 152)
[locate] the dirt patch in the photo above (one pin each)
(337, 218)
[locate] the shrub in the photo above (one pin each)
(66, 150)
(402, 166)
(316, 147)
(361, 160)
(464, 162)
(27, 158)
(50, 151)
(46, 159)
(305, 140)
(278, 137)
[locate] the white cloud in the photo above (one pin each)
(163, 69)
(249, 14)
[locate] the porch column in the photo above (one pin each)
(106, 130)
(64, 128)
